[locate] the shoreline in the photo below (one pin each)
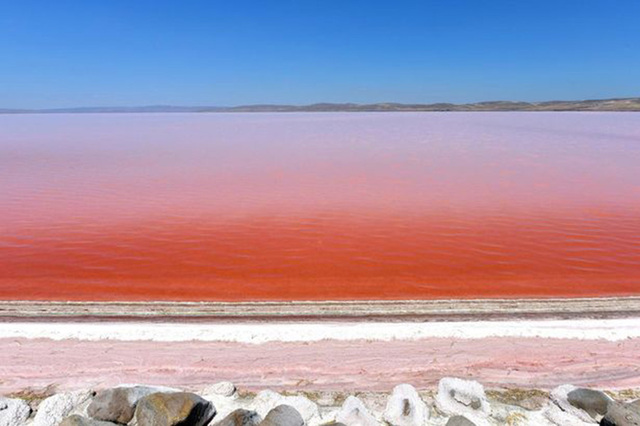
(589, 345)
(393, 310)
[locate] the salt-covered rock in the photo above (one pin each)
(240, 417)
(557, 416)
(118, 404)
(354, 413)
(620, 414)
(594, 402)
(405, 407)
(462, 397)
(267, 400)
(52, 410)
(224, 397)
(224, 405)
(459, 421)
(78, 420)
(560, 397)
(173, 408)
(13, 412)
(226, 389)
(283, 415)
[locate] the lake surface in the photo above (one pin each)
(319, 206)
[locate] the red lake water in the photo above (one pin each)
(319, 206)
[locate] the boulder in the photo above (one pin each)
(267, 400)
(558, 417)
(405, 407)
(78, 420)
(118, 404)
(52, 410)
(621, 414)
(354, 413)
(594, 402)
(283, 415)
(240, 417)
(462, 397)
(173, 408)
(226, 389)
(560, 397)
(459, 421)
(224, 398)
(13, 412)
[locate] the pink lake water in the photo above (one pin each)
(319, 206)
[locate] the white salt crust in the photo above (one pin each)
(256, 333)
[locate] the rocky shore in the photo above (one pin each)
(455, 402)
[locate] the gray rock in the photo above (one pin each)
(174, 408)
(13, 412)
(118, 404)
(240, 417)
(620, 414)
(594, 402)
(78, 420)
(283, 415)
(460, 421)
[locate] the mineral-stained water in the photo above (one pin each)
(319, 206)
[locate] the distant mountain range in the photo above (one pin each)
(622, 104)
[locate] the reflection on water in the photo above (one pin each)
(319, 206)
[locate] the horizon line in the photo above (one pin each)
(607, 104)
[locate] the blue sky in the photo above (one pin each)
(183, 52)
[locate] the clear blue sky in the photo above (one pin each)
(60, 53)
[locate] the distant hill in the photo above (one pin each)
(622, 104)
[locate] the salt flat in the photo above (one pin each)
(321, 355)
